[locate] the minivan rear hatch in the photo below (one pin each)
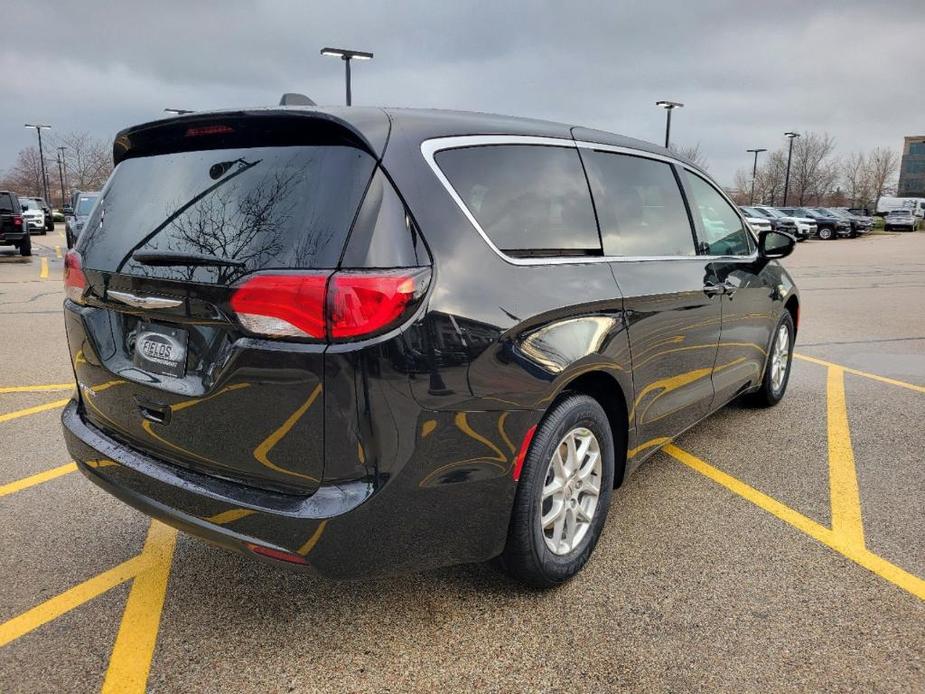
(193, 210)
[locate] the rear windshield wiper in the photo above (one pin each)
(166, 258)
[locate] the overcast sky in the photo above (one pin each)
(746, 70)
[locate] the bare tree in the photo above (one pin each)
(25, 176)
(854, 176)
(741, 187)
(87, 160)
(881, 169)
(813, 172)
(692, 153)
(769, 180)
(87, 165)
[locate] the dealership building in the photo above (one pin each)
(912, 168)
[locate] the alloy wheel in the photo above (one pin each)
(571, 491)
(780, 357)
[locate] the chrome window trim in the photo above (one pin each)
(429, 149)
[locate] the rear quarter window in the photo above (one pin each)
(528, 199)
(266, 207)
(639, 206)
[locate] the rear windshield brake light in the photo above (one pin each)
(209, 130)
(324, 305)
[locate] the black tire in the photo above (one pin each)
(527, 557)
(25, 246)
(767, 394)
(826, 234)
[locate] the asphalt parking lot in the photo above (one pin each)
(779, 550)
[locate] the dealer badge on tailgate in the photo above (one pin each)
(161, 350)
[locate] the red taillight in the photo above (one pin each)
(17, 220)
(362, 303)
(283, 305)
(320, 305)
(209, 130)
(277, 554)
(75, 282)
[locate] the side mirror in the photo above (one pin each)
(775, 244)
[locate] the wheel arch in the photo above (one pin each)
(793, 306)
(607, 390)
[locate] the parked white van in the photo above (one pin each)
(887, 204)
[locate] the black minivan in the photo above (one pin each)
(362, 341)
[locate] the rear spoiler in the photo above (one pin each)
(368, 129)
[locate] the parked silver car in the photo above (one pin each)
(900, 219)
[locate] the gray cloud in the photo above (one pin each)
(747, 71)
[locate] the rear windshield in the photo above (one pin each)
(262, 207)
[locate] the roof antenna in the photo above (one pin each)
(295, 99)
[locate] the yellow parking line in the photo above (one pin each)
(130, 661)
(861, 556)
(31, 481)
(43, 273)
(33, 410)
(230, 516)
(313, 540)
(58, 251)
(69, 599)
(36, 389)
(843, 479)
(865, 374)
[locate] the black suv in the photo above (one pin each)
(828, 226)
(364, 341)
(13, 231)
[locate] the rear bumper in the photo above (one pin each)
(350, 530)
(13, 237)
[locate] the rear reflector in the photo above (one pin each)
(522, 453)
(321, 305)
(75, 282)
(277, 554)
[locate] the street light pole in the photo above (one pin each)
(38, 129)
(751, 198)
(792, 137)
(61, 173)
(347, 55)
(669, 106)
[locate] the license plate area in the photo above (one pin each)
(161, 349)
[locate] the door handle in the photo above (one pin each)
(714, 289)
(729, 289)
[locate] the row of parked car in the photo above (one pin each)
(825, 222)
(20, 217)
